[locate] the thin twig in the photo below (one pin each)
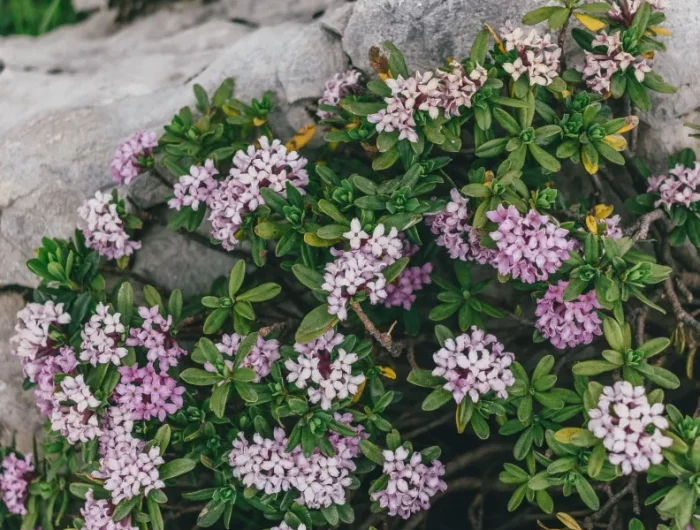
(467, 459)
(612, 502)
(640, 229)
(641, 321)
(681, 314)
(382, 338)
(410, 435)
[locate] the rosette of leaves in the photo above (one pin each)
(678, 500)
(522, 140)
(686, 220)
(239, 305)
(588, 135)
(638, 39)
(467, 412)
(462, 299)
(536, 406)
(219, 126)
(632, 362)
(489, 190)
(557, 16)
(615, 270)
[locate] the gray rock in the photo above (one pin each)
(426, 31)
(18, 413)
(269, 12)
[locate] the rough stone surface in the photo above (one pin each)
(18, 413)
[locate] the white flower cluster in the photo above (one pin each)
(132, 472)
(73, 412)
(336, 89)
(474, 364)
(325, 370)
(266, 465)
(411, 483)
(360, 269)
(101, 338)
(629, 427)
(105, 231)
(537, 56)
(270, 166)
(196, 188)
(32, 330)
(429, 92)
(97, 515)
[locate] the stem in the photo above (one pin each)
(612, 502)
(640, 229)
(382, 338)
(681, 314)
(561, 41)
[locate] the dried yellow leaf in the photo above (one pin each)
(603, 211)
(617, 142)
(379, 62)
(630, 123)
(648, 55)
(302, 137)
(658, 30)
(589, 22)
(360, 390)
(496, 38)
(592, 224)
(258, 121)
(588, 164)
(568, 521)
(387, 372)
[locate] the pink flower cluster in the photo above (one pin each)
(411, 483)
(530, 247)
(568, 324)
(599, 68)
(105, 231)
(429, 92)
(285, 526)
(461, 241)
(537, 57)
(270, 166)
(147, 394)
(31, 340)
(63, 362)
(102, 336)
(474, 363)
(629, 427)
(325, 369)
(260, 357)
(73, 411)
(360, 268)
(129, 160)
(97, 515)
(266, 465)
(196, 188)
(402, 293)
(14, 482)
(337, 88)
(681, 186)
(154, 335)
(624, 10)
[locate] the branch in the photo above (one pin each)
(640, 229)
(681, 314)
(612, 502)
(382, 338)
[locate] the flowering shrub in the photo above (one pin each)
(277, 404)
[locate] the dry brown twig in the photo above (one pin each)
(394, 348)
(640, 229)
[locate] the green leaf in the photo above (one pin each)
(393, 271)
(215, 320)
(539, 15)
(662, 377)
(198, 377)
(125, 302)
(331, 514)
(424, 378)
(308, 277)
(593, 367)
(315, 324)
(246, 392)
(244, 349)
(386, 160)
(152, 296)
(124, 508)
(372, 452)
(387, 140)
(218, 400)
(261, 293)
(154, 514)
(397, 62)
(544, 159)
(559, 18)
(379, 88)
(491, 148)
(517, 498)
(613, 334)
(362, 108)
(476, 190)
(596, 460)
(175, 304)
(480, 47)
(637, 92)
(654, 346)
(332, 211)
(162, 438)
(211, 513)
(464, 413)
(586, 492)
(436, 399)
